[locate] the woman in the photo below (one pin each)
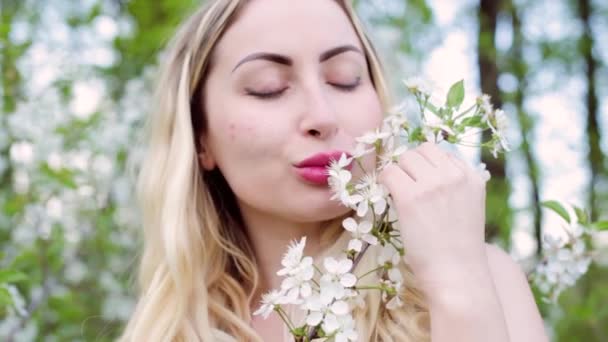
(249, 90)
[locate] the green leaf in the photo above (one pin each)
(471, 121)
(63, 176)
(15, 205)
(582, 215)
(11, 276)
(600, 225)
(431, 107)
(416, 135)
(5, 297)
(558, 208)
(456, 95)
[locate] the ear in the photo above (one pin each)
(205, 157)
(206, 160)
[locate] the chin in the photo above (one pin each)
(323, 212)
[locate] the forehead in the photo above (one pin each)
(298, 28)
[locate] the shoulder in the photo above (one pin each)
(521, 313)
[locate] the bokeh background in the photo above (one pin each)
(75, 85)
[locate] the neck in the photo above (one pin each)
(270, 237)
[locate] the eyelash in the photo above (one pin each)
(275, 94)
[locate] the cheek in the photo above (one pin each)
(242, 142)
(368, 112)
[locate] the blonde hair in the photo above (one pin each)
(197, 272)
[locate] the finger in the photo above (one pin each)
(435, 155)
(456, 161)
(415, 165)
(469, 170)
(399, 183)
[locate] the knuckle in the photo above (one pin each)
(406, 155)
(385, 174)
(427, 144)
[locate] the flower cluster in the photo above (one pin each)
(565, 257)
(329, 295)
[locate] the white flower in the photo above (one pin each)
(335, 319)
(418, 85)
(552, 242)
(395, 289)
(346, 329)
(372, 193)
(55, 161)
(22, 152)
(498, 123)
(395, 275)
(432, 134)
(299, 271)
(269, 301)
(485, 106)
(483, 172)
(434, 127)
(371, 138)
(390, 156)
(564, 262)
(341, 163)
(361, 150)
(388, 256)
(294, 258)
(360, 232)
(327, 313)
(298, 284)
(339, 179)
(337, 278)
(394, 124)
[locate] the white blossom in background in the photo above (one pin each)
(63, 157)
(566, 257)
(22, 153)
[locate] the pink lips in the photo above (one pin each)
(314, 168)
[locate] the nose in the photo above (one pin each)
(319, 118)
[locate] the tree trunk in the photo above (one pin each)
(595, 157)
(498, 213)
(519, 68)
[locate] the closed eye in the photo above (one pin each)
(276, 93)
(266, 94)
(347, 87)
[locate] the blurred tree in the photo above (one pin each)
(498, 212)
(597, 162)
(153, 24)
(10, 85)
(585, 316)
(517, 66)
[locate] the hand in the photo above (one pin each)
(440, 201)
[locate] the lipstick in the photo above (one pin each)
(314, 168)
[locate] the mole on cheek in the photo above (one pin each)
(231, 131)
(244, 131)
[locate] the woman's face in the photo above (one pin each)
(289, 79)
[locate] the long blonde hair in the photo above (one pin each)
(197, 272)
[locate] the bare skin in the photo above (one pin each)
(319, 97)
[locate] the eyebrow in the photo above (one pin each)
(280, 59)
